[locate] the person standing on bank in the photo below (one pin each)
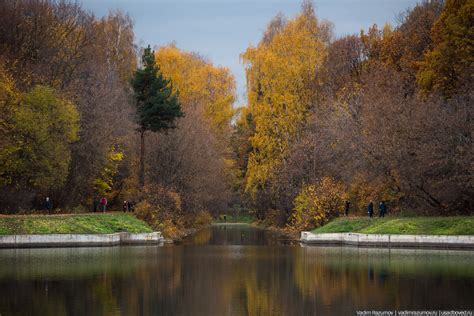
(131, 206)
(346, 209)
(382, 209)
(103, 203)
(125, 206)
(370, 209)
(49, 205)
(95, 203)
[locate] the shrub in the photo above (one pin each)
(161, 209)
(316, 204)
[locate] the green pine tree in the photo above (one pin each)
(157, 105)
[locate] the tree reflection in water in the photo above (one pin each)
(232, 270)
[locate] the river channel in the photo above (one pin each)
(232, 270)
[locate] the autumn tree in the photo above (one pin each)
(281, 77)
(316, 204)
(157, 105)
(448, 67)
(201, 85)
(413, 38)
(402, 47)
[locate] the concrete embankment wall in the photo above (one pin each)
(79, 240)
(379, 240)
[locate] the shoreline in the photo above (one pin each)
(79, 240)
(390, 240)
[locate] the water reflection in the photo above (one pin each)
(232, 270)
(235, 234)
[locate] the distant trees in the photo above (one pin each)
(371, 113)
(84, 60)
(76, 75)
(448, 67)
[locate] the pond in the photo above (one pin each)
(232, 270)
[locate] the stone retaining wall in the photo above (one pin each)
(415, 241)
(79, 240)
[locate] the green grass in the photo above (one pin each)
(404, 225)
(72, 224)
(241, 218)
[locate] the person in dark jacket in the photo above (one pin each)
(48, 204)
(131, 206)
(125, 206)
(95, 204)
(370, 209)
(382, 209)
(346, 209)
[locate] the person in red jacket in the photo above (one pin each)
(103, 203)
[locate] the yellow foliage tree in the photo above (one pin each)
(200, 84)
(281, 79)
(105, 182)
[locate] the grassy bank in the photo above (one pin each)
(72, 224)
(402, 225)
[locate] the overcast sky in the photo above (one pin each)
(222, 29)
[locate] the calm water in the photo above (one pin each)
(232, 270)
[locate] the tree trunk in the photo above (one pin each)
(141, 174)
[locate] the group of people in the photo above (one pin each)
(382, 209)
(101, 205)
(128, 206)
(370, 209)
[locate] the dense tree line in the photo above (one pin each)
(73, 103)
(383, 115)
(57, 51)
